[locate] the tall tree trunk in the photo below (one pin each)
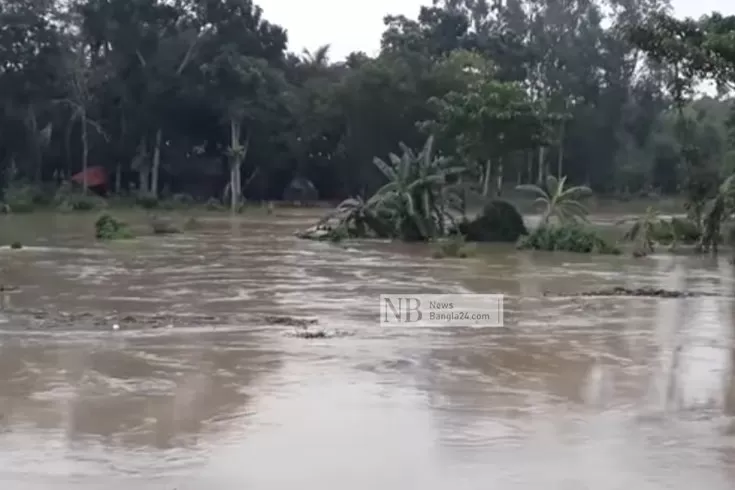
(237, 156)
(541, 164)
(234, 147)
(560, 155)
(529, 164)
(486, 178)
(499, 191)
(85, 151)
(141, 165)
(155, 169)
(37, 154)
(118, 178)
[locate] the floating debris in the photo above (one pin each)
(306, 333)
(290, 321)
(647, 292)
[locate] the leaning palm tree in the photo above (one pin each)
(559, 201)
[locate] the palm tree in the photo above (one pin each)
(558, 201)
(318, 58)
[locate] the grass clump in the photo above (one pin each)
(108, 228)
(567, 238)
(453, 247)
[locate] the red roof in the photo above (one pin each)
(96, 176)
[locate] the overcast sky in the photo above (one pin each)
(356, 25)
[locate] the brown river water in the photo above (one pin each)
(572, 393)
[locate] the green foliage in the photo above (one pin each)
(412, 205)
(559, 201)
(68, 199)
(189, 95)
(16, 245)
(22, 198)
(675, 231)
(147, 201)
(567, 238)
(499, 221)
(108, 228)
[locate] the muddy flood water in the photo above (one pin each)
(573, 393)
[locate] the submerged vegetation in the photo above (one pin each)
(567, 238)
(108, 228)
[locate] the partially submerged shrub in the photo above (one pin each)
(16, 245)
(499, 221)
(569, 238)
(453, 247)
(108, 228)
(679, 230)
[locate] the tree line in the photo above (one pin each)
(204, 98)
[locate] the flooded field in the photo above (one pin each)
(573, 393)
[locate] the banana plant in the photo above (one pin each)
(558, 200)
(643, 232)
(415, 192)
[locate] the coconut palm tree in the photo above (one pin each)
(558, 200)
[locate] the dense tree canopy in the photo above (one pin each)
(204, 98)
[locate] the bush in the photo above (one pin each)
(147, 201)
(682, 229)
(66, 199)
(22, 198)
(570, 238)
(108, 228)
(499, 221)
